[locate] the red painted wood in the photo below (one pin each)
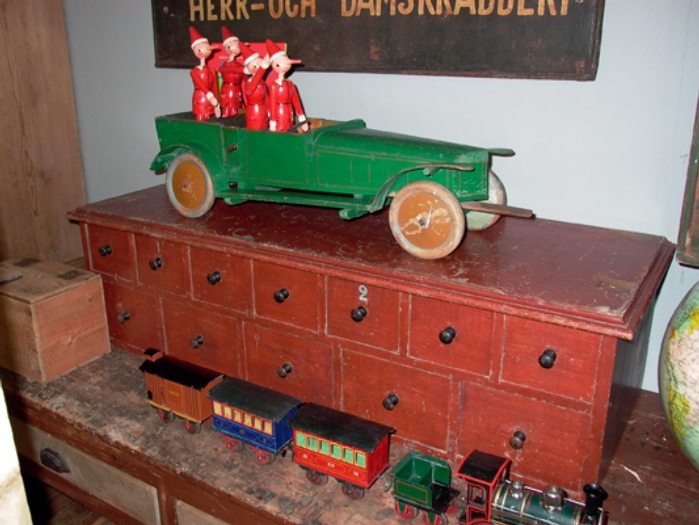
(221, 347)
(121, 261)
(470, 350)
(234, 290)
(143, 328)
(380, 325)
(173, 275)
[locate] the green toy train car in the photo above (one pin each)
(429, 184)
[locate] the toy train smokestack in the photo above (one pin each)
(594, 498)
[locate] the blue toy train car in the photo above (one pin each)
(249, 414)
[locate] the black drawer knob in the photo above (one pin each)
(123, 317)
(197, 341)
(284, 370)
(155, 263)
(447, 335)
(281, 295)
(517, 440)
(105, 250)
(358, 314)
(390, 402)
(214, 278)
(53, 460)
(547, 359)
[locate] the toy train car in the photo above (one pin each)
(422, 482)
(245, 413)
(435, 189)
(178, 389)
(348, 448)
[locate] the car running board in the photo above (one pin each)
(498, 209)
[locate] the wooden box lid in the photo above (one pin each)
(33, 280)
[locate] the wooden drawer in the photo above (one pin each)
(467, 332)
(188, 515)
(363, 313)
(202, 337)
(112, 252)
(287, 295)
(311, 362)
(556, 438)
(573, 373)
(130, 495)
(421, 413)
(134, 318)
(222, 279)
(162, 264)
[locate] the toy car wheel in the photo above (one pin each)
(427, 220)
(265, 458)
(352, 492)
(189, 185)
(316, 477)
(235, 445)
(165, 416)
(408, 512)
(192, 427)
(479, 220)
(435, 519)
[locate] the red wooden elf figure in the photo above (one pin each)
(283, 98)
(232, 75)
(204, 101)
(254, 89)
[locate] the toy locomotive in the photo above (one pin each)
(355, 451)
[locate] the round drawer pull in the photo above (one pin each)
(197, 341)
(54, 461)
(155, 263)
(284, 370)
(123, 317)
(281, 295)
(105, 250)
(517, 440)
(447, 335)
(390, 402)
(547, 359)
(358, 314)
(214, 278)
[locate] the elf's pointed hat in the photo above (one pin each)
(248, 54)
(196, 37)
(228, 36)
(273, 51)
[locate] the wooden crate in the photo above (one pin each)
(52, 318)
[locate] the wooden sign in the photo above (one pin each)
(557, 39)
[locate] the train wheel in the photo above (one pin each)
(189, 185)
(406, 511)
(427, 220)
(192, 427)
(478, 220)
(352, 492)
(435, 519)
(316, 477)
(265, 457)
(235, 445)
(165, 416)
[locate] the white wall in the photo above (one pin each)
(609, 153)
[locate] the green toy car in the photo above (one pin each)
(343, 165)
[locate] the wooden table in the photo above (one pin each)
(129, 466)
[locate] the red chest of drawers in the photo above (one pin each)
(529, 341)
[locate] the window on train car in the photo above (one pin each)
(325, 448)
(227, 413)
(247, 420)
(268, 428)
(336, 451)
(301, 440)
(257, 423)
(349, 456)
(361, 460)
(476, 495)
(237, 416)
(217, 409)
(312, 443)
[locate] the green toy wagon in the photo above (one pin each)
(433, 187)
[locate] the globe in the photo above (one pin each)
(678, 374)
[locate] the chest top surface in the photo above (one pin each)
(604, 278)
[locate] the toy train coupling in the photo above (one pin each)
(594, 498)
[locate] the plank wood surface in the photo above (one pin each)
(42, 176)
(101, 409)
